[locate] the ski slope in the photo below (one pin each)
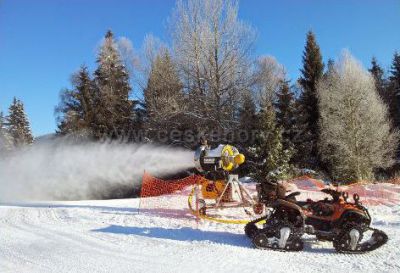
(111, 236)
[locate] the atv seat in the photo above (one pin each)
(322, 208)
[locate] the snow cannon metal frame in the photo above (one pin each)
(220, 187)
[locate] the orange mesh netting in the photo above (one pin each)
(152, 186)
(169, 198)
(371, 194)
(166, 198)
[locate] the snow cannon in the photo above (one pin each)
(220, 187)
(223, 158)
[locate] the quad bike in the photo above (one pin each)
(333, 219)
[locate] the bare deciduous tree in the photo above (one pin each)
(212, 48)
(139, 62)
(356, 137)
(267, 79)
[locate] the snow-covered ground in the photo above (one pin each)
(111, 236)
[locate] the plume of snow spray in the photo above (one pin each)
(57, 170)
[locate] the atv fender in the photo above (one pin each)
(284, 203)
(356, 216)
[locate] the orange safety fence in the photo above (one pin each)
(178, 199)
(167, 198)
(153, 186)
(370, 193)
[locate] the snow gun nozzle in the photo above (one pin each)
(224, 157)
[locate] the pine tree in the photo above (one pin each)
(77, 106)
(245, 136)
(330, 67)
(285, 115)
(395, 70)
(312, 72)
(18, 124)
(5, 138)
(247, 113)
(273, 158)
(115, 114)
(164, 98)
(393, 91)
(378, 74)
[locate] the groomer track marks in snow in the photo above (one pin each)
(109, 236)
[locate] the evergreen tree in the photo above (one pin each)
(394, 91)
(378, 74)
(312, 72)
(285, 113)
(245, 137)
(272, 156)
(77, 106)
(247, 113)
(395, 70)
(114, 110)
(164, 98)
(18, 124)
(5, 138)
(330, 67)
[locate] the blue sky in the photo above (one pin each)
(42, 42)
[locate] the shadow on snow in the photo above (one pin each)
(187, 234)
(182, 234)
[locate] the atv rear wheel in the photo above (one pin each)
(344, 242)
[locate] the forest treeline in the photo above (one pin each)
(337, 117)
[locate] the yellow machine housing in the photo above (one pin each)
(223, 157)
(213, 190)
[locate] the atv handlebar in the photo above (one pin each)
(345, 195)
(334, 193)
